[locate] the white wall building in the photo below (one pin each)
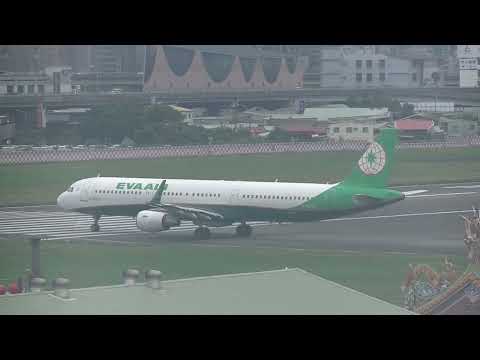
(469, 64)
(357, 128)
(433, 106)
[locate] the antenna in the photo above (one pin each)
(98, 174)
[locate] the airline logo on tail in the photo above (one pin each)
(373, 160)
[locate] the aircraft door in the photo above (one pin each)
(84, 191)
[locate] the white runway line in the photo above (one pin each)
(462, 187)
(401, 215)
(446, 194)
(408, 193)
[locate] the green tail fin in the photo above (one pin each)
(373, 168)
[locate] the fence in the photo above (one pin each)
(68, 155)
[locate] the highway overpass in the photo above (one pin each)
(458, 95)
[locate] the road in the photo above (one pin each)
(426, 222)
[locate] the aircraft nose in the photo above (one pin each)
(61, 200)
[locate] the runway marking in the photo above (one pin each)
(408, 193)
(462, 187)
(401, 215)
(72, 226)
(26, 206)
(447, 194)
(429, 185)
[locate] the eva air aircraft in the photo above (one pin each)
(160, 204)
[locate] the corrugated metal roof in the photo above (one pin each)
(414, 124)
(179, 108)
(289, 291)
(340, 112)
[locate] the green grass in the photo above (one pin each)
(41, 183)
(94, 264)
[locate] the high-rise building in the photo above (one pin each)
(81, 58)
(371, 66)
(469, 65)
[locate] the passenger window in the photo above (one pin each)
(218, 195)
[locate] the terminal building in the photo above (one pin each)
(221, 68)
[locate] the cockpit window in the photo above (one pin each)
(70, 189)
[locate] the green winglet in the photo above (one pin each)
(158, 195)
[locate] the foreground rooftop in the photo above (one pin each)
(289, 291)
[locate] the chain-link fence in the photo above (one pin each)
(8, 157)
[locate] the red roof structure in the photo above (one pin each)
(414, 124)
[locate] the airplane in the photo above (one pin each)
(160, 204)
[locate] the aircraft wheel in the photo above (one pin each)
(244, 230)
(202, 233)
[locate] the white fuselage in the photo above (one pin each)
(114, 191)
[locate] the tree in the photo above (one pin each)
(279, 135)
(111, 122)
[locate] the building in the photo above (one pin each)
(80, 58)
(52, 80)
(469, 65)
(220, 68)
(187, 114)
(458, 126)
(282, 292)
(355, 128)
(415, 127)
(7, 130)
(368, 66)
(433, 106)
(107, 81)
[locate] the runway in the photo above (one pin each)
(426, 222)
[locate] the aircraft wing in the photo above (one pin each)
(194, 214)
(181, 212)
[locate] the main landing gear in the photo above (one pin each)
(202, 233)
(95, 227)
(244, 230)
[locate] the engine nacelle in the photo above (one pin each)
(155, 221)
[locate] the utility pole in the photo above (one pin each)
(35, 243)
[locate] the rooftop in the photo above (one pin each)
(289, 291)
(414, 123)
(342, 112)
(180, 109)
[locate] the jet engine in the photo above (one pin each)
(154, 221)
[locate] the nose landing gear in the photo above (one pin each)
(95, 227)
